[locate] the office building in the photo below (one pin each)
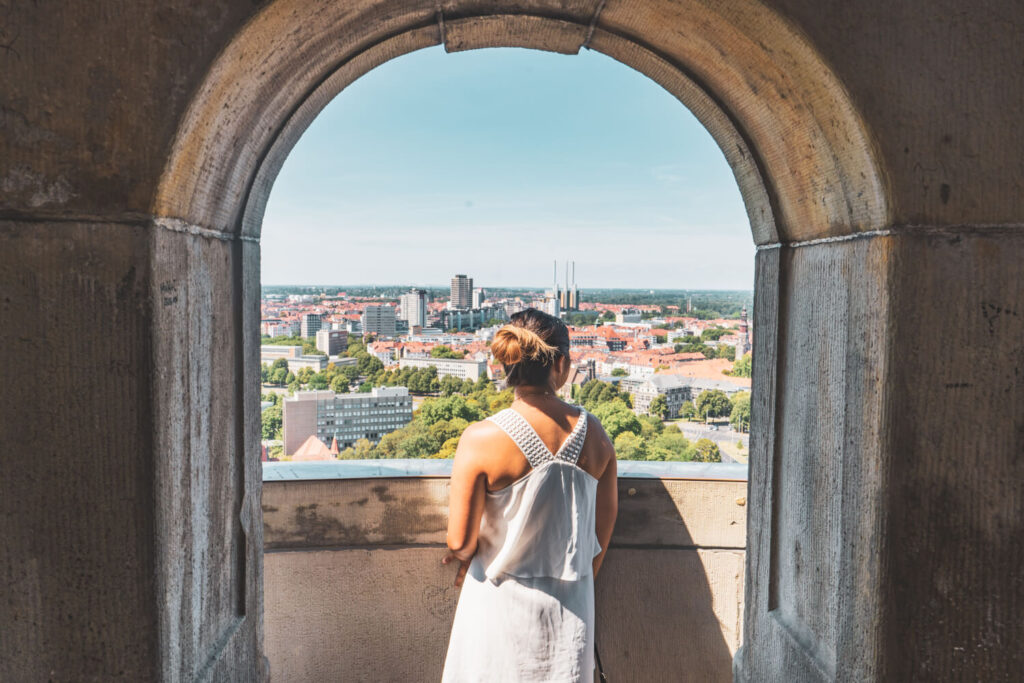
(331, 342)
(378, 320)
(345, 417)
(478, 297)
(461, 292)
(462, 368)
(413, 306)
(311, 324)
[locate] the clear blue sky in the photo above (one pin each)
(493, 163)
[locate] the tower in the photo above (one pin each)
(743, 345)
(461, 292)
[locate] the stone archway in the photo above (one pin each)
(809, 177)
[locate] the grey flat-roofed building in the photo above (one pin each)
(463, 368)
(311, 324)
(345, 417)
(379, 320)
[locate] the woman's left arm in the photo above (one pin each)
(467, 489)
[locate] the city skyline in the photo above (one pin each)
(440, 162)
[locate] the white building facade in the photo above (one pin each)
(462, 368)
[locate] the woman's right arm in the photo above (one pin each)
(607, 499)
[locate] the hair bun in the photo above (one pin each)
(514, 343)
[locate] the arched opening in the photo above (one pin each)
(802, 160)
(486, 162)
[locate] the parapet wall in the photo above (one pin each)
(355, 589)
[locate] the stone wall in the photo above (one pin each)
(876, 145)
(355, 589)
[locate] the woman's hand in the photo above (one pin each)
(463, 566)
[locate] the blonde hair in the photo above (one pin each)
(529, 345)
(513, 344)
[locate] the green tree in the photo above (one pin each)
(450, 385)
(619, 372)
(713, 403)
(272, 422)
(264, 373)
(707, 451)
(339, 384)
(616, 418)
(318, 381)
(660, 338)
(362, 449)
(659, 407)
(441, 409)
(739, 417)
(726, 351)
(447, 449)
(629, 446)
(713, 333)
(447, 429)
(650, 426)
(365, 388)
(671, 445)
(688, 411)
(442, 351)
(501, 400)
(742, 367)
(607, 316)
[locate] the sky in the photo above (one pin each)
(495, 162)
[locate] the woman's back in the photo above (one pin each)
(532, 501)
(527, 607)
(543, 524)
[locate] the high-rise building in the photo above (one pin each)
(478, 297)
(332, 342)
(414, 307)
(462, 292)
(345, 417)
(379, 320)
(311, 324)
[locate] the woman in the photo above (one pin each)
(532, 505)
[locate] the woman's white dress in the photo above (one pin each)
(526, 611)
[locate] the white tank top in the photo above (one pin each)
(545, 523)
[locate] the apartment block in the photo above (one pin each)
(379, 321)
(345, 417)
(463, 368)
(311, 324)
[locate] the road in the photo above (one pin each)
(726, 438)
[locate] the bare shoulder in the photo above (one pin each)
(477, 440)
(479, 433)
